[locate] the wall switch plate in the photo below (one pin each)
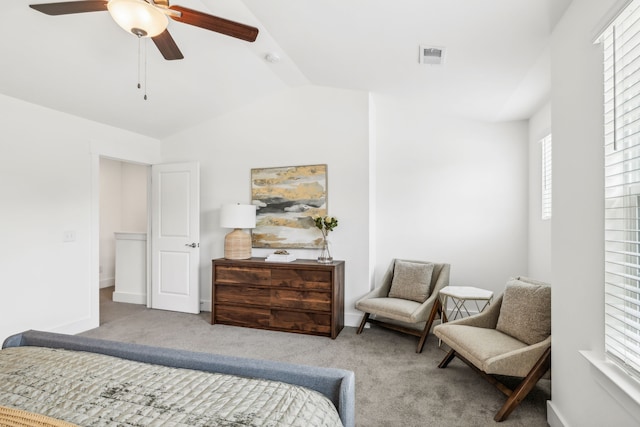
(69, 236)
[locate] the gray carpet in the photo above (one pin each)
(394, 385)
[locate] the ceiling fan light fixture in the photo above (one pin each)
(138, 17)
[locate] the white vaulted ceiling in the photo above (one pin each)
(496, 64)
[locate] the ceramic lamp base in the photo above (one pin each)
(237, 245)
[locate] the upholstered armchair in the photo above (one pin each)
(512, 337)
(407, 300)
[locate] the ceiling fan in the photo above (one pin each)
(148, 18)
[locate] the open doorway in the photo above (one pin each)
(123, 238)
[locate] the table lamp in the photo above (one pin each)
(237, 244)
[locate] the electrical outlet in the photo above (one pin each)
(69, 236)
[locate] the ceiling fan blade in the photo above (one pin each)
(167, 46)
(214, 23)
(65, 8)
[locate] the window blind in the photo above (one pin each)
(621, 44)
(545, 144)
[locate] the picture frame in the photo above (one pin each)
(286, 199)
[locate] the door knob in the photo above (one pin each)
(193, 245)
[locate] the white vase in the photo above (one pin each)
(325, 252)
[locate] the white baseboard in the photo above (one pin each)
(129, 297)
(77, 327)
(353, 319)
(205, 305)
(554, 419)
(107, 283)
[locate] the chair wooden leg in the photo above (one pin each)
(448, 358)
(490, 378)
(423, 338)
(432, 315)
(514, 397)
(539, 369)
(365, 318)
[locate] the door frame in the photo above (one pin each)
(126, 151)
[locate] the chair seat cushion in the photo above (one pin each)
(481, 345)
(393, 308)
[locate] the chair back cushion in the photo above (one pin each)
(411, 280)
(525, 313)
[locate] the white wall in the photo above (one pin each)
(539, 230)
(447, 189)
(306, 125)
(577, 240)
(123, 208)
(134, 198)
(46, 164)
(451, 190)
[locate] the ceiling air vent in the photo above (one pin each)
(431, 55)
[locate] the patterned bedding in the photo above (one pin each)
(90, 389)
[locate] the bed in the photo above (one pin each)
(87, 381)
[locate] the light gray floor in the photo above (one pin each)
(395, 387)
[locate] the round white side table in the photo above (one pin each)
(459, 295)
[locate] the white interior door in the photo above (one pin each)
(175, 237)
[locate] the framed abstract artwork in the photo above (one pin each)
(287, 198)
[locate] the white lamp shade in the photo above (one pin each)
(238, 216)
(136, 15)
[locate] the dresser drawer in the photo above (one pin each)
(307, 300)
(243, 294)
(301, 321)
(242, 316)
(302, 279)
(242, 275)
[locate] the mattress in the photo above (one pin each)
(91, 389)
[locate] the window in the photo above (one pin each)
(621, 43)
(545, 144)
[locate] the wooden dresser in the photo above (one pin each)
(302, 296)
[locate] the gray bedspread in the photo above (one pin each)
(97, 390)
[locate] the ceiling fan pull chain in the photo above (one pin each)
(142, 63)
(139, 62)
(146, 48)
